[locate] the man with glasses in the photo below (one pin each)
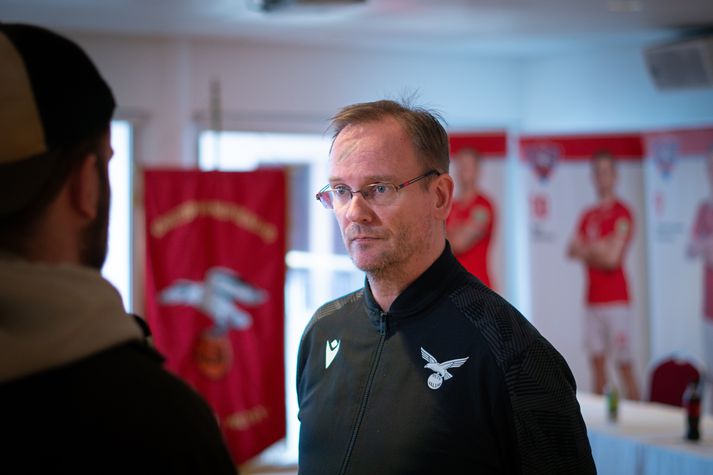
(425, 369)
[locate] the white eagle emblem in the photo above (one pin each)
(440, 370)
(216, 297)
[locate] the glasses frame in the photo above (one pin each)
(397, 187)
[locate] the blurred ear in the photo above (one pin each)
(84, 187)
(444, 196)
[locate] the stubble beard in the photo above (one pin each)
(96, 237)
(390, 265)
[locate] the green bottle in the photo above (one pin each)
(612, 403)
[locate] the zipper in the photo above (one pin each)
(367, 390)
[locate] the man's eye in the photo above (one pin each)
(341, 190)
(380, 189)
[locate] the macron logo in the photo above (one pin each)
(330, 351)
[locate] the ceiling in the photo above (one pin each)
(449, 26)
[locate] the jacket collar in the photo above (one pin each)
(419, 295)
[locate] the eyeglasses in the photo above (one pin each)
(376, 194)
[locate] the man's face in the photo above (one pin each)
(604, 175)
(96, 236)
(381, 240)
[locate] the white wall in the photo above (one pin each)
(167, 83)
(606, 89)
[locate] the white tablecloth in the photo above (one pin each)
(647, 439)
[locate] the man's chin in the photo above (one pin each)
(362, 262)
(369, 262)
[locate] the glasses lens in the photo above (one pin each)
(380, 194)
(341, 195)
(325, 197)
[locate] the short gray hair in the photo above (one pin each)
(422, 125)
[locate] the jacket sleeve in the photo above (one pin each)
(550, 431)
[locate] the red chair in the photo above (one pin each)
(669, 379)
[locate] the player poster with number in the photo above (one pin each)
(679, 203)
(475, 227)
(565, 222)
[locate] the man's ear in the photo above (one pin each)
(444, 196)
(84, 187)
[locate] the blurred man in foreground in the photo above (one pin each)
(80, 391)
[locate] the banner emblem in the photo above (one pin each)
(213, 355)
(216, 297)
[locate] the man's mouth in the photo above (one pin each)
(363, 238)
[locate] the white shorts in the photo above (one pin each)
(607, 331)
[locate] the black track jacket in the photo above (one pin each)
(452, 379)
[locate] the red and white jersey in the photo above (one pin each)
(600, 222)
(703, 229)
(478, 210)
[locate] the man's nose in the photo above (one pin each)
(358, 209)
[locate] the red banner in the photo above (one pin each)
(215, 274)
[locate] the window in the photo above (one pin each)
(318, 268)
(117, 267)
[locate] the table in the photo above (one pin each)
(647, 439)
